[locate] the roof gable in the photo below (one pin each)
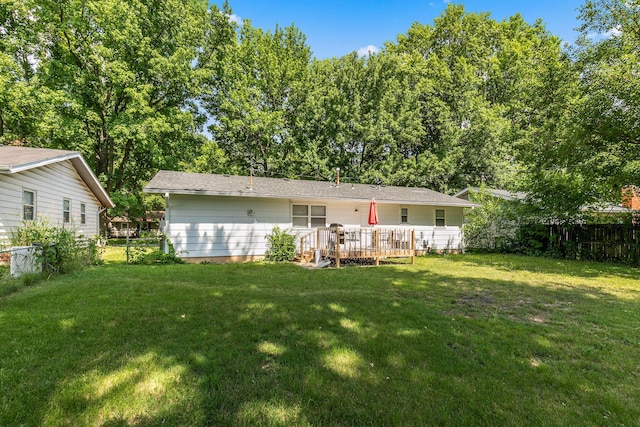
(243, 186)
(18, 159)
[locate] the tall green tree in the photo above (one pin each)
(363, 114)
(584, 145)
(24, 103)
(121, 77)
(609, 112)
(475, 77)
(255, 99)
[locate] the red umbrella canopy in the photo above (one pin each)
(373, 212)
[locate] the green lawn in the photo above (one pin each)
(457, 340)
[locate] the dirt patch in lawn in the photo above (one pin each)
(483, 304)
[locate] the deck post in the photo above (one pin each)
(302, 255)
(413, 246)
(337, 246)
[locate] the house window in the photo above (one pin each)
(440, 218)
(66, 210)
(83, 213)
(309, 216)
(318, 216)
(300, 215)
(404, 215)
(28, 205)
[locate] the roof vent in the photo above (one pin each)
(225, 174)
(285, 179)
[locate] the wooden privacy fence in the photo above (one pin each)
(603, 242)
(340, 243)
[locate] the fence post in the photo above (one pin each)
(337, 246)
(413, 246)
(377, 241)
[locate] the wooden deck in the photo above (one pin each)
(341, 243)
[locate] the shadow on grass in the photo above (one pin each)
(279, 345)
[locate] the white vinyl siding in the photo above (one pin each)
(213, 226)
(220, 226)
(50, 184)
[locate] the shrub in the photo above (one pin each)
(281, 245)
(491, 227)
(61, 249)
(151, 251)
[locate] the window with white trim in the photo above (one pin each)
(309, 216)
(440, 218)
(83, 213)
(28, 205)
(66, 210)
(404, 215)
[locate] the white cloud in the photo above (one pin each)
(614, 32)
(235, 18)
(368, 50)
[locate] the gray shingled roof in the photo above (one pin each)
(229, 185)
(15, 159)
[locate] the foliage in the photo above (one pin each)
(493, 225)
(588, 143)
(151, 251)
(60, 249)
(281, 245)
(464, 101)
(257, 99)
(114, 80)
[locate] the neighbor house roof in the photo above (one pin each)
(231, 185)
(608, 208)
(495, 192)
(14, 159)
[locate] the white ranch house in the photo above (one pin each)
(223, 218)
(46, 184)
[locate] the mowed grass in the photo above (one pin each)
(456, 340)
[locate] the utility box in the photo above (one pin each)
(24, 261)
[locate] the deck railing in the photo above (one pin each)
(338, 243)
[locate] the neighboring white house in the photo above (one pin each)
(226, 218)
(53, 185)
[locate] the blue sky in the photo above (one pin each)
(336, 28)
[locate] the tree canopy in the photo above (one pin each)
(465, 101)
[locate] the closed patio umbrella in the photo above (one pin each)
(373, 212)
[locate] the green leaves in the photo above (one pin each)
(257, 98)
(464, 101)
(120, 79)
